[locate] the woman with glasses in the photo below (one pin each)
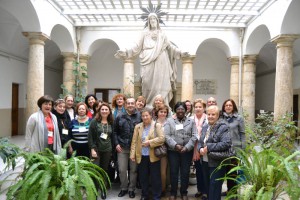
(63, 120)
(237, 133)
(147, 135)
(181, 135)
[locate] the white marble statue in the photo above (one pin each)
(157, 58)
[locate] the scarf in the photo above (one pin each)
(199, 123)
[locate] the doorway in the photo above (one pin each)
(15, 109)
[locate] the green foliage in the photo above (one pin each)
(8, 153)
(80, 81)
(279, 135)
(50, 176)
(270, 163)
(266, 175)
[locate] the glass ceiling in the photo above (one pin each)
(181, 13)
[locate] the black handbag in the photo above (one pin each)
(160, 151)
(221, 155)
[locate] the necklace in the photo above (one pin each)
(81, 117)
(104, 125)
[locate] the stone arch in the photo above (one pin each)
(104, 70)
(291, 18)
(211, 64)
(28, 20)
(62, 37)
(218, 43)
(257, 39)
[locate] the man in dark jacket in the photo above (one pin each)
(123, 131)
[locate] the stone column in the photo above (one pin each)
(36, 68)
(128, 77)
(187, 78)
(248, 93)
(83, 59)
(68, 76)
(283, 102)
(234, 79)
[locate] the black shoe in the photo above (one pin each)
(204, 197)
(103, 195)
(223, 194)
(131, 194)
(198, 194)
(122, 193)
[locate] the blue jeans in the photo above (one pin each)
(180, 161)
(200, 177)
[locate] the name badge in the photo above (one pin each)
(65, 131)
(50, 134)
(103, 136)
(179, 127)
(82, 129)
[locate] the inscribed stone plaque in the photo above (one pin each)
(205, 86)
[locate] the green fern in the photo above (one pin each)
(49, 176)
(267, 175)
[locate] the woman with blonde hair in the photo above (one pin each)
(200, 120)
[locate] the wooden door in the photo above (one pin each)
(15, 109)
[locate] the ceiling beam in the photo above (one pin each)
(168, 24)
(170, 11)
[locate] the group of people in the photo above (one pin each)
(131, 131)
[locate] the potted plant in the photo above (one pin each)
(50, 176)
(269, 167)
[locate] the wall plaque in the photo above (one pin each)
(205, 86)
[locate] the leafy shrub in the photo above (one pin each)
(8, 152)
(266, 175)
(266, 133)
(50, 176)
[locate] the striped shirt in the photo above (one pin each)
(79, 131)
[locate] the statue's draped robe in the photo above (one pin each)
(158, 65)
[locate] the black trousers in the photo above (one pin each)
(149, 169)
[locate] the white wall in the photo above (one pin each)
(265, 92)
(12, 71)
(53, 81)
(211, 63)
(296, 78)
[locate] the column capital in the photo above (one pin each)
(83, 58)
(285, 40)
(250, 59)
(68, 56)
(234, 60)
(36, 37)
(188, 59)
